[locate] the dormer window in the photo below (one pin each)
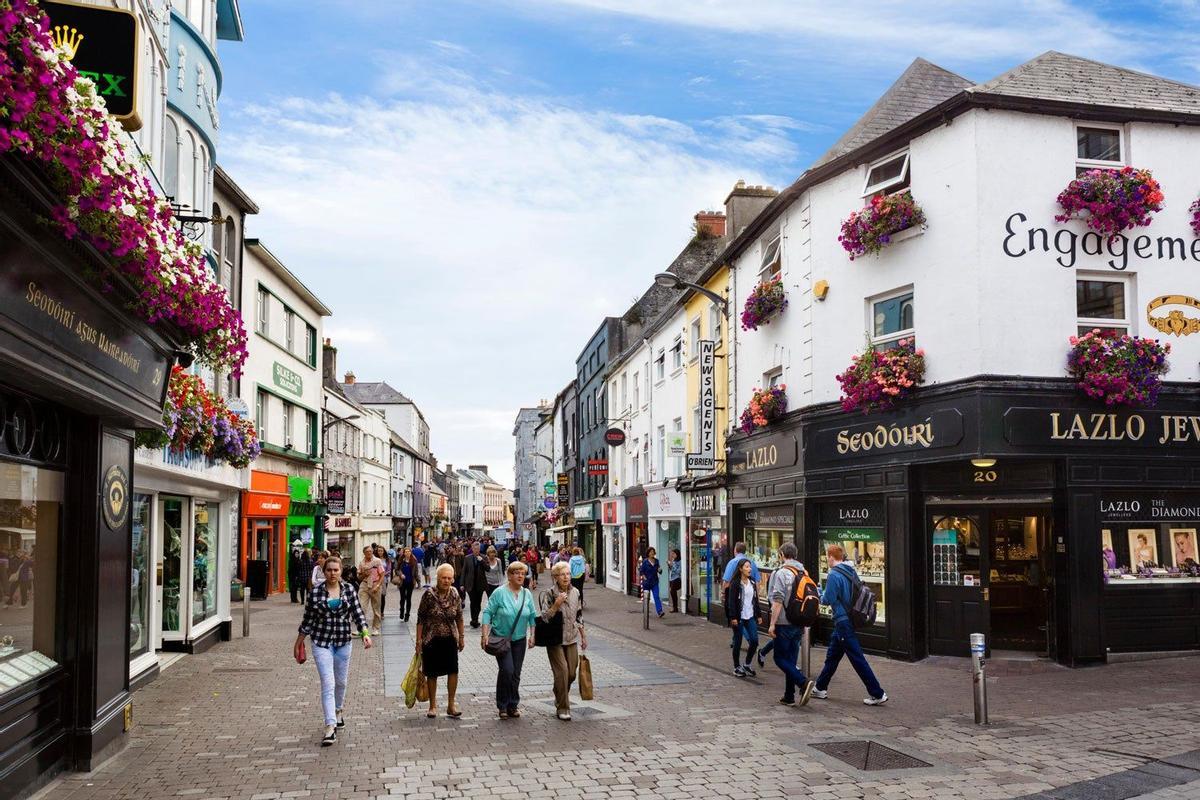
(887, 175)
(1098, 147)
(771, 265)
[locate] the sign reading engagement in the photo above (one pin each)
(706, 458)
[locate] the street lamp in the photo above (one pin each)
(672, 281)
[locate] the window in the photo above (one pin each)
(289, 329)
(310, 345)
(887, 175)
(637, 391)
(771, 264)
(600, 406)
(696, 426)
(694, 339)
(677, 353)
(714, 322)
(637, 463)
(891, 319)
(140, 577)
(1102, 304)
(262, 407)
(1097, 146)
(204, 560)
(661, 460)
(171, 166)
(624, 393)
(263, 312)
(660, 365)
(772, 378)
(288, 413)
(187, 170)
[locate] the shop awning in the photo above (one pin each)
(560, 528)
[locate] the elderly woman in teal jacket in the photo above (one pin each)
(510, 613)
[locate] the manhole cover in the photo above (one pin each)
(869, 756)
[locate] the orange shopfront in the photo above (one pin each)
(265, 509)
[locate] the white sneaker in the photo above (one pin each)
(875, 701)
(820, 694)
(565, 716)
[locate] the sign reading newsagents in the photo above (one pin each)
(706, 459)
(102, 44)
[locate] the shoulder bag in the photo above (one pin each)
(500, 645)
(548, 633)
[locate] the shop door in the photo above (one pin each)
(958, 568)
(639, 543)
(169, 592)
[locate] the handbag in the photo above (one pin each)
(500, 645)
(586, 689)
(547, 633)
(412, 680)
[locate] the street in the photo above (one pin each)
(668, 720)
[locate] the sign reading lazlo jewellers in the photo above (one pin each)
(1148, 507)
(101, 43)
(1146, 429)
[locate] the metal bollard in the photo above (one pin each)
(645, 610)
(245, 612)
(806, 652)
(979, 679)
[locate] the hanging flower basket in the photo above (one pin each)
(878, 380)
(765, 301)
(198, 421)
(869, 229)
(766, 406)
(1119, 369)
(54, 117)
(1194, 213)
(1111, 200)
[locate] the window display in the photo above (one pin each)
(956, 545)
(30, 511)
(866, 552)
(1149, 538)
(204, 561)
(764, 532)
(698, 562)
(140, 577)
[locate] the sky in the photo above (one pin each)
(472, 187)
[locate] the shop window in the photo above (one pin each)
(140, 577)
(866, 551)
(887, 175)
(1102, 304)
(1150, 551)
(892, 319)
(30, 512)
(762, 546)
(172, 512)
(956, 543)
(204, 560)
(771, 263)
(1098, 146)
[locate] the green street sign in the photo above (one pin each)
(287, 380)
(551, 487)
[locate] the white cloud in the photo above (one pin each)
(468, 240)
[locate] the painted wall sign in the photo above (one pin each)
(939, 429)
(262, 504)
(1115, 252)
(102, 44)
(706, 459)
(36, 299)
(335, 500)
(764, 452)
(1174, 321)
(585, 512)
(780, 517)
(286, 379)
(1145, 429)
(703, 504)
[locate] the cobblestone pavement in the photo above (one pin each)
(669, 721)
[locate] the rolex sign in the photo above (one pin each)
(101, 43)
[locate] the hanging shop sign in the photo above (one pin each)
(564, 487)
(614, 437)
(597, 466)
(335, 500)
(706, 459)
(676, 444)
(1173, 321)
(1158, 431)
(286, 379)
(549, 503)
(102, 44)
(550, 487)
(764, 452)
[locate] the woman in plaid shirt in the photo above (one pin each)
(331, 608)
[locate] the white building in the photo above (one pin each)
(470, 500)
(525, 467)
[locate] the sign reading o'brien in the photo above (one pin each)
(286, 379)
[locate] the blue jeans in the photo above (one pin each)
(333, 665)
(787, 651)
(653, 590)
(508, 678)
(844, 641)
(746, 629)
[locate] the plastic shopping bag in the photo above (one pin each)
(585, 678)
(413, 680)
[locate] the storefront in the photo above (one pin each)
(667, 522)
(185, 510)
(77, 375)
(637, 535)
(341, 533)
(707, 534)
(586, 535)
(264, 537)
(612, 517)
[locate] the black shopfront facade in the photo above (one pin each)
(1019, 509)
(77, 375)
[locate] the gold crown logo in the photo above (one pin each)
(67, 40)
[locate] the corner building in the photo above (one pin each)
(990, 501)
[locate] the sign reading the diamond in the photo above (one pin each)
(102, 44)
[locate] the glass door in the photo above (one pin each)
(170, 587)
(958, 572)
(1020, 580)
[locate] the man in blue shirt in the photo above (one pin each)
(739, 555)
(839, 588)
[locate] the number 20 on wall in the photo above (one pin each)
(985, 476)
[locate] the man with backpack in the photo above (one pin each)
(852, 604)
(782, 592)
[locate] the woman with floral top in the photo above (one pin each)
(440, 637)
(331, 610)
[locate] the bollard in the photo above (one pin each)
(979, 679)
(806, 652)
(245, 612)
(645, 610)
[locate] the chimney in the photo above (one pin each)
(710, 225)
(743, 204)
(480, 468)
(329, 362)
(349, 378)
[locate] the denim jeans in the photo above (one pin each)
(844, 641)
(653, 590)
(333, 665)
(508, 679)
(747, 629)
(787, 651)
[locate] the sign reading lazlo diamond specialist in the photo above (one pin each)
(286, 379)
(102, 44)
(706, 459)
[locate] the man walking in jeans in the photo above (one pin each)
(839, 587)
(787, 637)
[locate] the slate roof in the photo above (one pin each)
(374, 393)
(1070, 79)
(921, 87)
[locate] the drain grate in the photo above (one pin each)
(869, 756)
